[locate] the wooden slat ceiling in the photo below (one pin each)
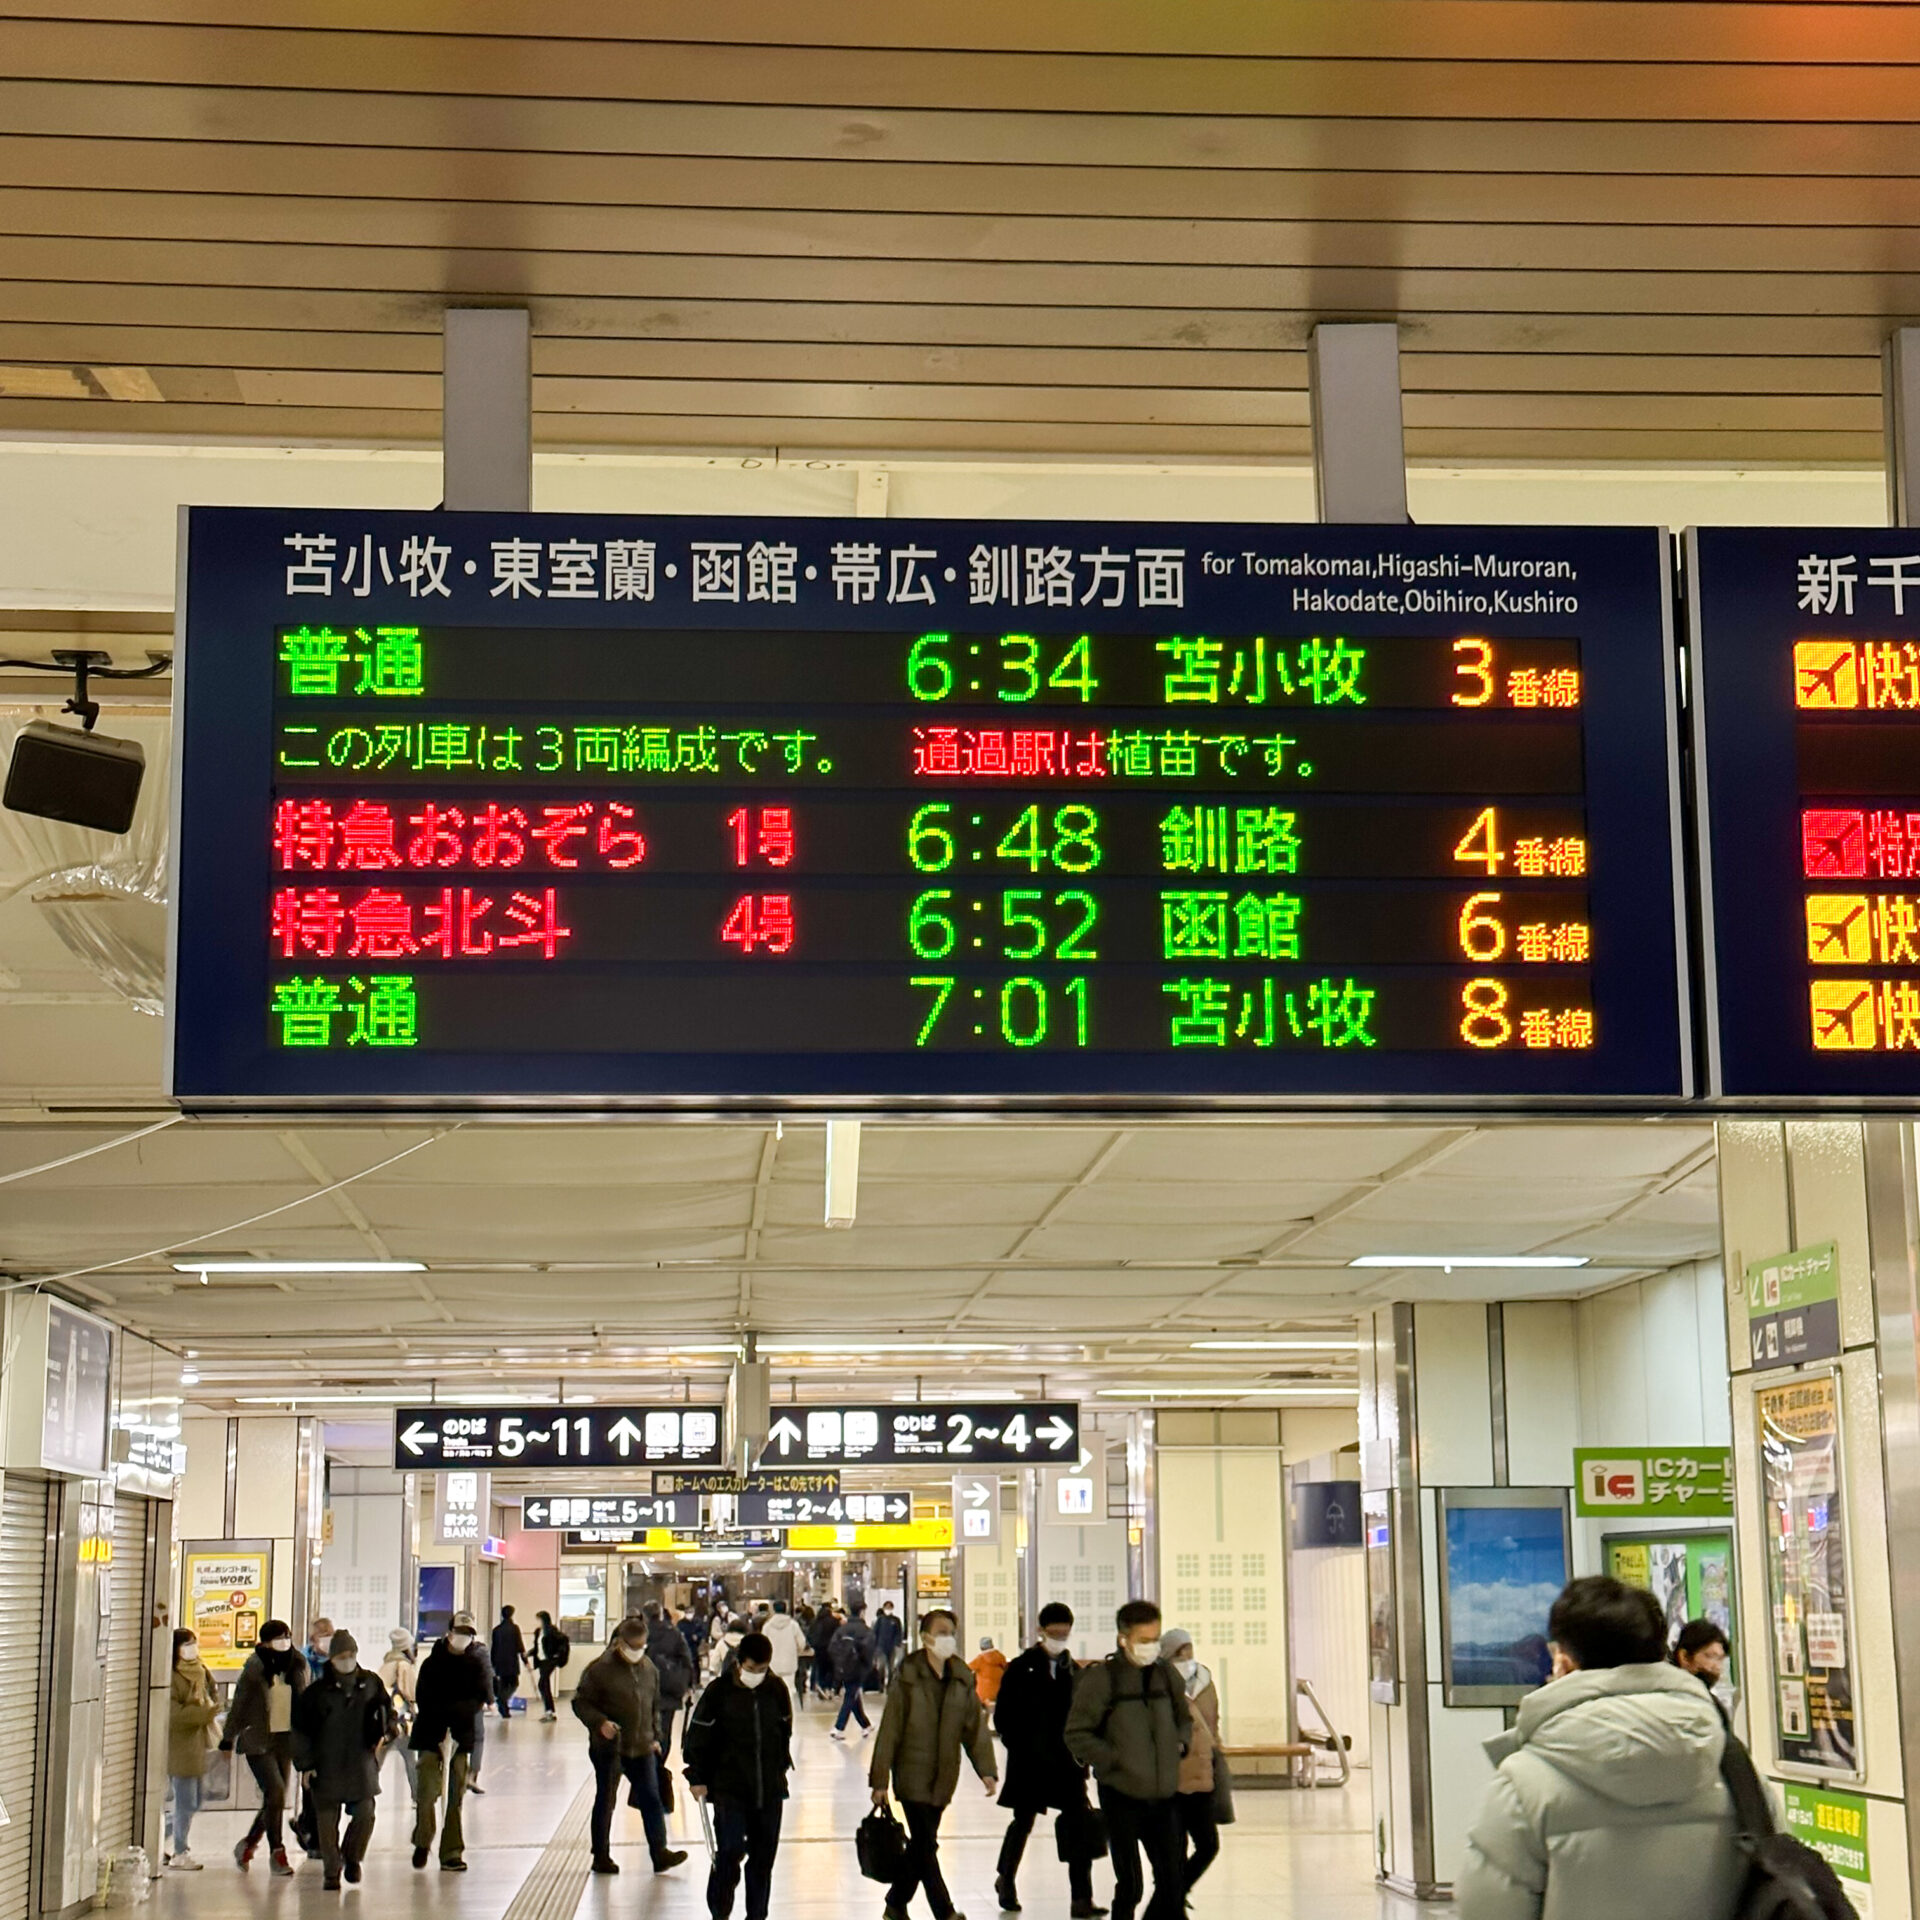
(1610, 230)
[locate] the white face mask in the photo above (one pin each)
(282, 1645)
(751, 1677)
(1143, 1653)
(189, 1651)
(943, 1646)
(1056, 1644)
(1186, 1668)
(459, 1642)
(344, 1664)
(632, 1655)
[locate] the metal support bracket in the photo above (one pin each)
(1359, 445)
(486, 425)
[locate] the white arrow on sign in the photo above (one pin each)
(976, 1493)
(1056, 1433)
(624, 1435)
(536, 1512)
(785, 1432)
(898, 1509)
(418, 1437)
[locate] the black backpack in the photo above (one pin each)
(559, 1647)
(1786, 1879)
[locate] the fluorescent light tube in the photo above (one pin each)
(1275, 1346)
(1448, 1261)
(299, 1266)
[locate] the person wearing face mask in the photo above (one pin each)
(400, 1675)
(933, 1715)
(319, 1637)
(618, 1702)
(451, 1696)
(1196, 1824)
(190, 1717)
(1131, 1724)
(259, 1726)
(341, 1727)
(1036, 1694)
(739, 1750)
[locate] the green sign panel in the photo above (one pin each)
(1793, 1306)
(1653, 1483)
(1834, 1825)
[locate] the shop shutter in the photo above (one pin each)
(127, 1637)
(23, 1604)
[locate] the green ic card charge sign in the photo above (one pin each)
(1793, 1306)
(1653, 1483)
(1834, 1825)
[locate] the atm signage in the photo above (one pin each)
(1655, 1483)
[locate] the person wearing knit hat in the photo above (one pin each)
(342, 1725)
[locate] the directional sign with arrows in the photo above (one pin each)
(835, 1509)
(960, 1433)
(976, 1508)
(434, 1439)
(624, 1512)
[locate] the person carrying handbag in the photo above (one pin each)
(1036, 1694)
(933, 1715)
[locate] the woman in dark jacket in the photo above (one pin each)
(259, 1726)
(341, 1728)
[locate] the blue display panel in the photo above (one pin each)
(1806, 720)
(549, 808)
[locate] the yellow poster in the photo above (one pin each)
(227, 1598)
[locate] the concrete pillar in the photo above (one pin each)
(1221, 1528)
(258, 1479)
(1785, 1188)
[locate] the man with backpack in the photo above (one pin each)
(851, 1652)
(1610, 1778)
(551, 1651)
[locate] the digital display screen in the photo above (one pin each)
(1505, 1560)
(1807, 729)
(575, 807)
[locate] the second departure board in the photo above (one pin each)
(1807, 722)
(537, 809)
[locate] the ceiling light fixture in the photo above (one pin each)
(299, 1266)
(1332, 1390)
(1446, 1262)
(1275, 1346)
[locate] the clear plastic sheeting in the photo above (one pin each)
(104, 895)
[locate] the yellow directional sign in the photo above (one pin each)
(916, 1535)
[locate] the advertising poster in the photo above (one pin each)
(1812, 1651)
(1383, 1659)
(227, 1589)
(1690, 1574)
(1834, 1825)
(1505, 1557)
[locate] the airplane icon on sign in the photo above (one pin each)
(1831, 922)
(1836, 1020)
(1818, 664)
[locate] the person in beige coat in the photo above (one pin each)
(190, 1717)
(933, 1715)
(1193, 1804)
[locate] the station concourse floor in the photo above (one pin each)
(1289, 1854)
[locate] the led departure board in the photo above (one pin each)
(652, 810)
(1807, 771)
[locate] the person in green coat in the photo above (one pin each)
(190, 1717)
(1610, 1779)
(933, 1715)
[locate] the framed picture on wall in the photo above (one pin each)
(1505, 1553)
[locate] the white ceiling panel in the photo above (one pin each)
(1264, 1205)
(1258, 1154)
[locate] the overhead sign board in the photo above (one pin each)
(815, 1480)
(643, 808)
(433, 1439)
(75, 1408)
(976, 1508)
(987, 1432)
(812, 1509)
(920, 1536)
(1653, 1483)
(592, 1512)
(463, 1503)
(1806, 717)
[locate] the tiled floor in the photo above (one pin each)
(1289, 1855)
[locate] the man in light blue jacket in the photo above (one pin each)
(1609, 1781)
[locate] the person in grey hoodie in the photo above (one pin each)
(1610, 1779)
